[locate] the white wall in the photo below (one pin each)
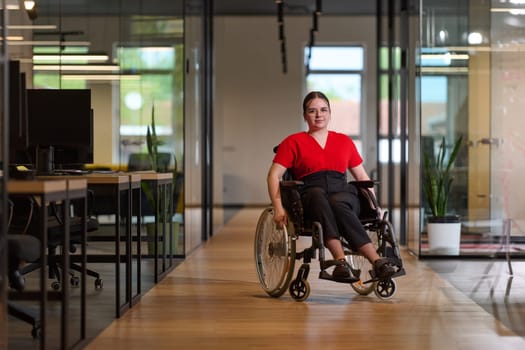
(259, 104)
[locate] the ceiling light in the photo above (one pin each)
(101, 77)
(475, 38)
(13, 38)
(55, 58)
(76, 67)
(49, 43)
(445, 56)
(11, 5)
(29, 5)
(512, 11)
(31, 26)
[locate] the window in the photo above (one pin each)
(159, 88)
(337, 72)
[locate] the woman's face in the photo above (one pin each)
(317, 114)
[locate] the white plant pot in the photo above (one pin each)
(444, 238)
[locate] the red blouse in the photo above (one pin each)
(303, 154)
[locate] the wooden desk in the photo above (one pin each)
(46, 192)
(116, 186)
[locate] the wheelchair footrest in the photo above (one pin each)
(326, 276)
(400, 272)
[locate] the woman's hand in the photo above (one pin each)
(279, 217)
(274, 175)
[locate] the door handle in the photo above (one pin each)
(486, 141)
(490, 141)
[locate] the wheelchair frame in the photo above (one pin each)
(275, 248)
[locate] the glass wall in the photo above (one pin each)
(3, 205)
(132, 59)
(470, 79)
(138, 62)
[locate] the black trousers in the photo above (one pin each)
(329, 199)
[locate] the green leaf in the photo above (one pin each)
(437, 180)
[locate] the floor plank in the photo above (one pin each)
(213, 301)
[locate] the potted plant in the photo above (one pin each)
(159, 165)
(443, 228)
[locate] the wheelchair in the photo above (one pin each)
(275, 248)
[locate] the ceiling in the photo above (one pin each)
(221, 7)
(235, 7)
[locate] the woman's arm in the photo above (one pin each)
(359, 173)
(275, 174)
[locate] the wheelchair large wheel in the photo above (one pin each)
(274, 255)
(361, 268)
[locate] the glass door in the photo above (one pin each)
(471, 82)
(3, 206)
(504, 140)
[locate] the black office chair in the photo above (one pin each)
(54, 239)
(21, 249)
(142, 161)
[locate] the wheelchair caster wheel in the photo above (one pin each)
(299, 289)
(55, 285)
(385, 289)
(98, 284)
(75, 281)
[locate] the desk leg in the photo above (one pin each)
(43, 275)
(83, 279)
(65, 274)
(126, 303)
(136, 212)
(117, 253)
(129, 253)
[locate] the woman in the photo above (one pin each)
(320, 158)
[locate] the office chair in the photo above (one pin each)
(142, 161)
(21, 249)
(55, 233)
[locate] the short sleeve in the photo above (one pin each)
(285, 154)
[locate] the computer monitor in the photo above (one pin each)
(18, 137)
(60, 128)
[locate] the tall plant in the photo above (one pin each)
(153, 142)
(437, 179)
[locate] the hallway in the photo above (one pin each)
(213, 301)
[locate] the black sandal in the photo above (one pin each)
(383, 269)
(343, 273)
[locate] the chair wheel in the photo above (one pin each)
(385, 289)
(299, 289)
(55, 285)
(74, 281)
(98, 283)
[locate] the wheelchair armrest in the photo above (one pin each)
(291, 183)
(369, 204)
(364, 184)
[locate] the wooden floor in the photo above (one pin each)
(214, 301)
